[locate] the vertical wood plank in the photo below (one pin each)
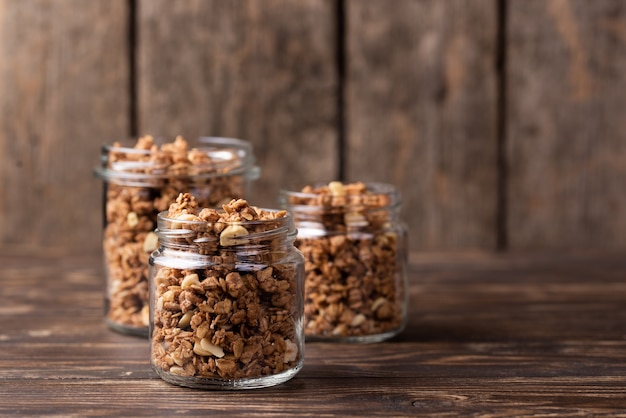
(421, 113)
(63, 93)
(257, 70)
(566, 126)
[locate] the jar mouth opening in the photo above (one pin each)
(183, 233)
(226, 157)
(303, 201)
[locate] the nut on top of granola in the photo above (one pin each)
(237, 210)
(337, 193)
(237, 219)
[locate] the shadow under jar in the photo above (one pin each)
(355, 247)
(142, 179)
(226, 295)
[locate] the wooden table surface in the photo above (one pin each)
(488, 335)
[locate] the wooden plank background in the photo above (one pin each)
(63, 92)
(421, 98)
(501, 121)
(566, 124)
(259, 70)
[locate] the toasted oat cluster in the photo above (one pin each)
(131, 212)
(352, 280)
(225, 320)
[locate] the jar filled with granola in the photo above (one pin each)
(140, 180)
(355, 247)
(226, 296)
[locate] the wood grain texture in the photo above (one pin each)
(421, 113)
(420, 104)
(566, 130)
(63, 93)
(515, 335)
(257, 70)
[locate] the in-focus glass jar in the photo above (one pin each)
(140, 180)
(226, 297)
(355, 247)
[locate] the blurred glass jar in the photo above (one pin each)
(355, 247)
(226, 295)
(141, 180)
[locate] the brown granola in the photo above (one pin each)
(354, 267)
(223, 319)
(131, 209)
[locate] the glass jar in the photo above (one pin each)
(355, 247)
(226, 291)
(141, 180)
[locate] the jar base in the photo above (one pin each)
(361, 339)
(127, 330)
(226, 384)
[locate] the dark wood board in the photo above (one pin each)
(515, 335)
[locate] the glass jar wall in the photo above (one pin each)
(226, 292)
(355, 248)
(140, 180)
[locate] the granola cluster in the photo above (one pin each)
(145, 179)
(227, 317)
(354, 274)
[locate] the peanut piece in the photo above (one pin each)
(354, 219)
(291, 351)
(185, 320)
(145, 315)
(230, 233)
(378, 303)
(204, 347)
(183, 217)
(357, 320)
(151, 242)
(190, 280)
(177, 370)
(336, 188)
(132, 219)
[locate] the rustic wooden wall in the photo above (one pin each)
(63, 93)
(501, 121)
(262, 70)
(566, 124)
(422, 113)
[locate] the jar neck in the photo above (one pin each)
(371, 211)
(214, 157)
(226, 241)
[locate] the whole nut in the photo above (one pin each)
(204, 347)
(185, 320)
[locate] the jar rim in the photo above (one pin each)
(263, 230)
(373, 189)
(229, 157)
